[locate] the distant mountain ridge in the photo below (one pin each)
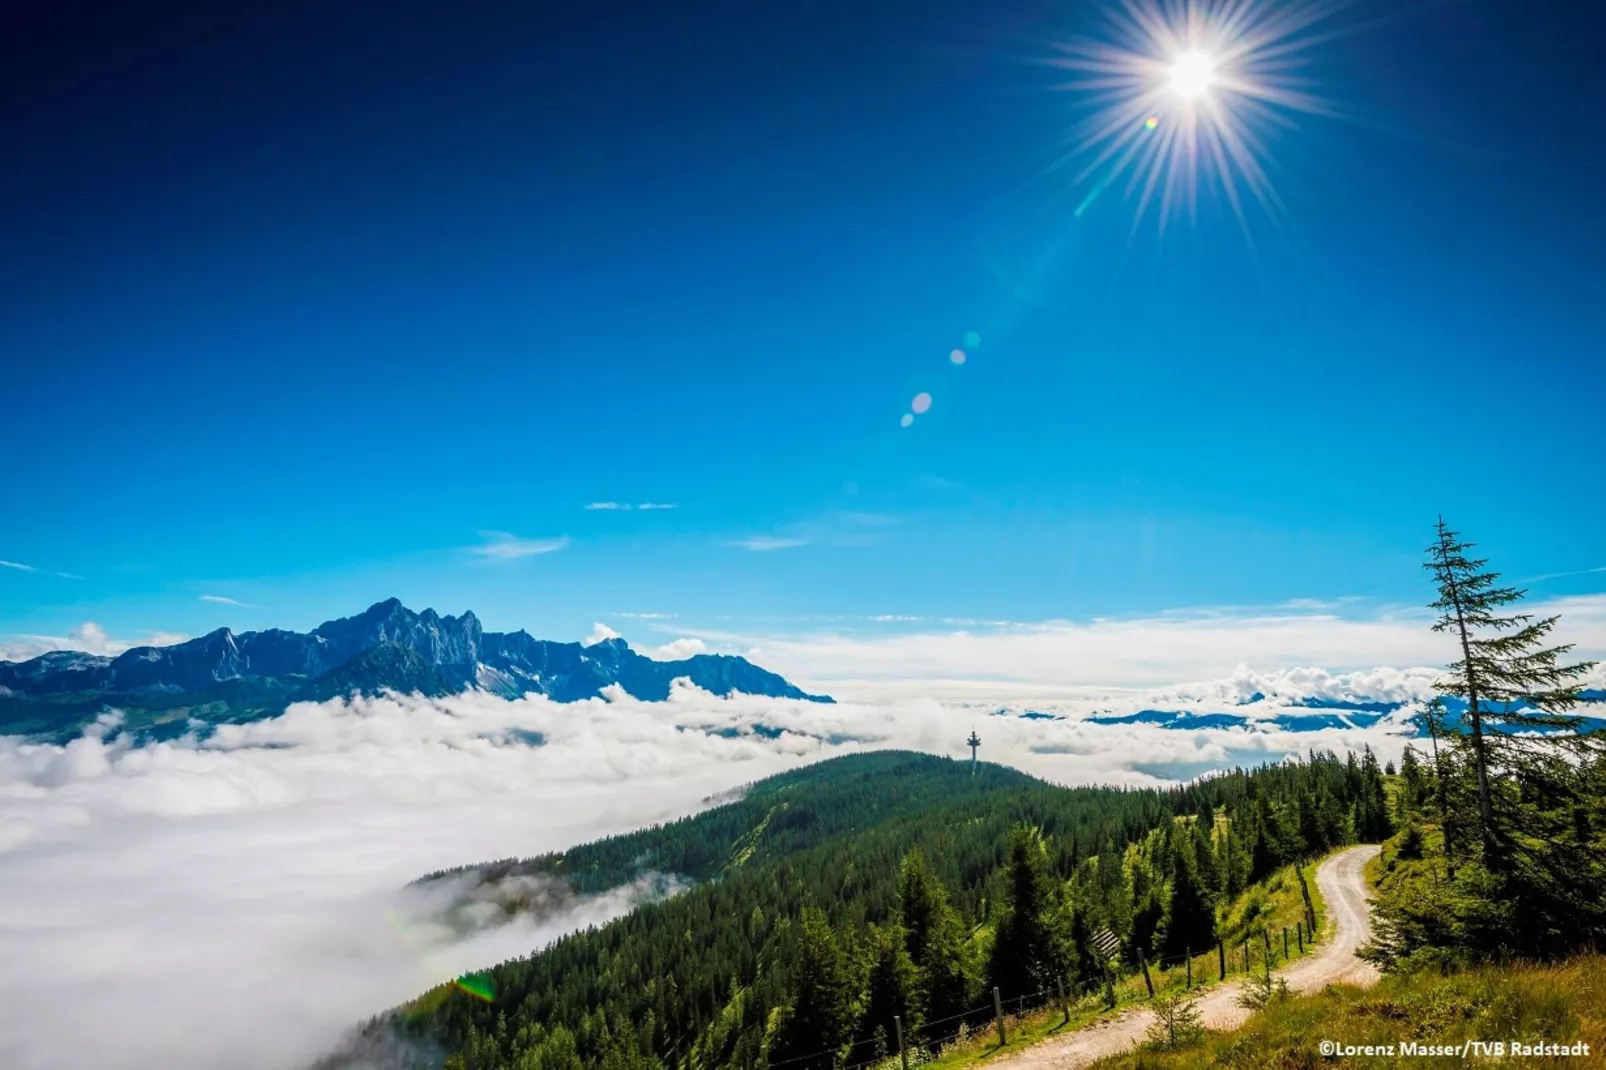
(226, 677)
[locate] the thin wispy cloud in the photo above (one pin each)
(505, 546)
(847, 528)
(1562, 575)
(20, 567)
(626, 507)
(224, 600)
(760, 544)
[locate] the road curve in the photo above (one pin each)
(1349, 922)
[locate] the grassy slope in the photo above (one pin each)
(1565, 1003)
(1272, 903)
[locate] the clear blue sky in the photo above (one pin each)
(294, 305)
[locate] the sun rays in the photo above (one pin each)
(1181, 94)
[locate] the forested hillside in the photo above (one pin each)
(831, 899)
(1489, 913)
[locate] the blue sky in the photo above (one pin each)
(295, 308)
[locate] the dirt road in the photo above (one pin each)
(1349, 925)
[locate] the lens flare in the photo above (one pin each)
(972, 339)
(478, 985)
(1209, 78)
(921, 404)
(957, 356)
(906, 420)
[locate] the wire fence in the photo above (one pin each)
(916, 1043)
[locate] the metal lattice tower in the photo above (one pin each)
(974, 741)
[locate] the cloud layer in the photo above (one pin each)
(930, 656)
(251, 881)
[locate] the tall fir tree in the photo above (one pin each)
(1516, 688)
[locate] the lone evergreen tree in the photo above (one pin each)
(1510, 680)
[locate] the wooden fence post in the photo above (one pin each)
(1065, 1004)
(1221, 951)
(1265, 938)
(1285, 943)
(1301, 933)
(1246, 954)
(1189, 954)
(1147, 981)
(903, 1052)
(998, 1015)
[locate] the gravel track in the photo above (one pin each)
(1342, 881)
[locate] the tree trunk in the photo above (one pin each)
(1485, 821)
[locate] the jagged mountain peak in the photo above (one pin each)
(232, 676)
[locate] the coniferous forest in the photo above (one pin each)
(833, 899)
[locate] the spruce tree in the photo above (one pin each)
(1204, 860)
(1233, 861)
(1086, 959)
(934, 941)
(1146, 922)
(1263, 858)
(945, 981)
(891, 989)
(1411, 781)
(1516, 688)
(1433, 720)
(922, 901)
(824, 1006)
(1023, 958)
(1190, 909)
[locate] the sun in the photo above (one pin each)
(1176, 95)
(1192, 74)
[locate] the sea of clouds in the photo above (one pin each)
(237, 900)
(240, 899)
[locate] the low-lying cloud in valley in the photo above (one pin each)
(239, 900)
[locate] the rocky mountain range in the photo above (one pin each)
(229, 677)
